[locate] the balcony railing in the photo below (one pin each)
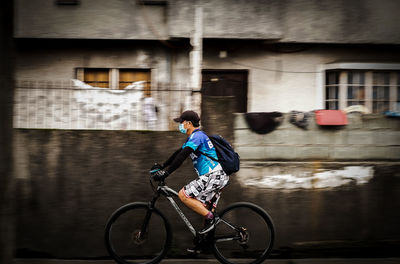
(64, 105)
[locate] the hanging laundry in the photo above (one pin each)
(392, 114)
(357, 109)
(299, 118)
(330, 117)
(263, 122)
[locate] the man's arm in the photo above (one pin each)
(178, 159)
(171, 158)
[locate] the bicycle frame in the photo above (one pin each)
(162, 189)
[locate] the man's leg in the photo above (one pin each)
(193, 204)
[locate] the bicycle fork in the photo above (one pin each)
(141, 235)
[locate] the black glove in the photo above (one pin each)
(156, 167)
(160, 175)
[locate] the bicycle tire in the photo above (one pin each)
(262, 236)
(129, 218)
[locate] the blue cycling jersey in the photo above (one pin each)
(200, 142)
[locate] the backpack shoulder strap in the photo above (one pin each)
(208, 156)
(205, 153)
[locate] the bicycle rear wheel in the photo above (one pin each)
(136, 234)
(245, 234)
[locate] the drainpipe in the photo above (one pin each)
(196, 59)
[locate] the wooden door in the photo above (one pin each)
(227, 83)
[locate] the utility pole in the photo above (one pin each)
(196, 59)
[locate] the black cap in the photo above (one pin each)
(189, 115)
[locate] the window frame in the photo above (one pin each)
(393, 68)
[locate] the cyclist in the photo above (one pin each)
(197, 194)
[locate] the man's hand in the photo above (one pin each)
(160, 175)
(156, 167)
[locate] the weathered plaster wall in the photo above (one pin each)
(90, 20)
(228, 19)
(57, 59)
(287, 21)
(366, 137)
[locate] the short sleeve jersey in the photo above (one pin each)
(200, 142)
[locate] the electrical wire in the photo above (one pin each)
(269, 70)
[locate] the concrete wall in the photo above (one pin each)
(69, 182)
(216, 117)
(228, 19)
(288, 21)
(366, 137)
(57, 59)
(90, 20)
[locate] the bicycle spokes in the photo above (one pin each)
(242, 233)
(137, 234)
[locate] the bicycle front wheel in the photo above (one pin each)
(137, 234)
(245, 234)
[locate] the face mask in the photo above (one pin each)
(182, 129)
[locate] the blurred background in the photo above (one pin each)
(89, 90)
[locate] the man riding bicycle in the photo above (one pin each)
(197, 194)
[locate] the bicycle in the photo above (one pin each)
(138, 232)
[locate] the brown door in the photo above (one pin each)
(227, 83)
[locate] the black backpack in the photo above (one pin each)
(227, 157)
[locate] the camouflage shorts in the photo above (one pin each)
(207, 187)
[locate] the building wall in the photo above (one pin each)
(287, 21)
(281, 78)
(46, 98)
(90, 20)
(284, 78)
(366, 137)
(57, 59)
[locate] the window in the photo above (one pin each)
(356, 88)
(380, 98)
(115, 78)
(97, 77)
(332, 90)
(378, 90)
(128, 76)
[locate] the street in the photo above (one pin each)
(212, 261)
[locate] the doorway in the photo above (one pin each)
(227, 83)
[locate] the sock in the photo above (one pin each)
(209, 216)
